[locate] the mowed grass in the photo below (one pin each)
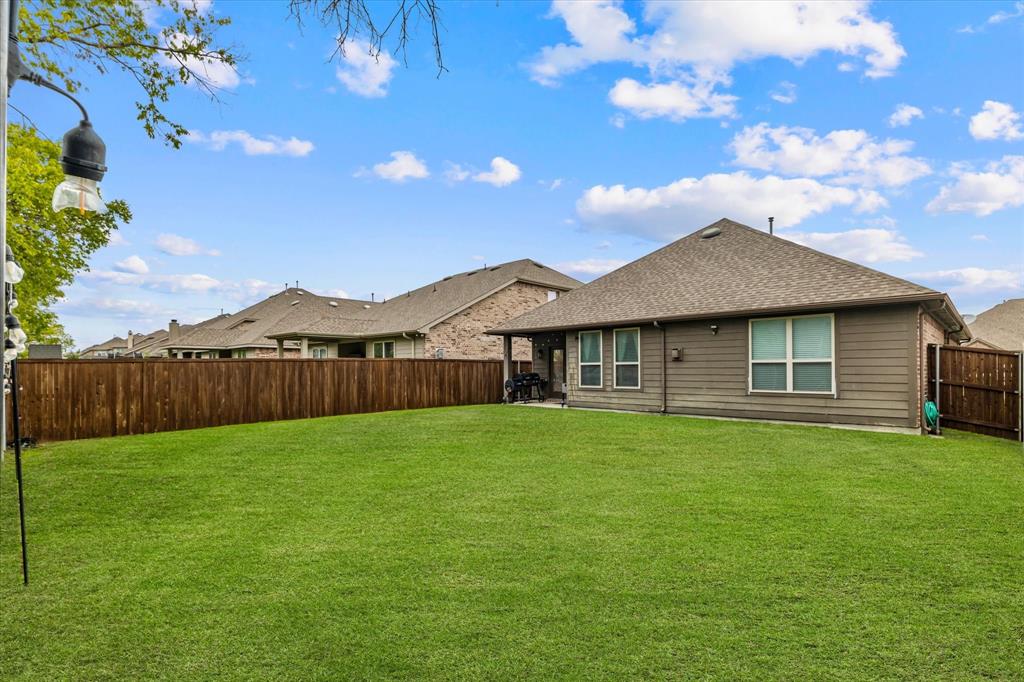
(503, 542)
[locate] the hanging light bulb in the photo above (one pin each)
(14, 331)
(13, 273)
(10, 350)
(12, 304)
(84, 162)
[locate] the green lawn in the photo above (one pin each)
(491, 542)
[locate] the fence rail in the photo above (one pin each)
(71, 399)
(979, 389)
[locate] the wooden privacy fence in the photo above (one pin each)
(978, 389)
(70, 399)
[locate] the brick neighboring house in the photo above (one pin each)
(448, 318)
(244, 334)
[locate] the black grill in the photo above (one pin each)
(523, 387)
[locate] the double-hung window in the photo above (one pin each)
(319, 352)
(627, 358)
(383, 349)
(793, 354)
(590, 359)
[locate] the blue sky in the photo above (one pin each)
(579, 135)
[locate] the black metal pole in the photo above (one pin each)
(16, 427)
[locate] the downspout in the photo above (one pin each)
(406, 336)
(664, 371)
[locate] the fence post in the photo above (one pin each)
(938, 389)
(1020, 395)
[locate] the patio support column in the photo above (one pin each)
(280, 348)
(506, 342)
(304, 347)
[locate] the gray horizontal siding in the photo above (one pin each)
(875, 361)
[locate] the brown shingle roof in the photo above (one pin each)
(1002, 325)
(247, 328)
(741, 270)
(423, 307)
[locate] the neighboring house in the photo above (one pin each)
(731, 321)
(448, 318)
(244, 334)
(155, 344)
(112, 348)
(1000, 327)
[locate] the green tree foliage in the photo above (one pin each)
(51, 246)
(162, 44)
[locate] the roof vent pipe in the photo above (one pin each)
(771, 225)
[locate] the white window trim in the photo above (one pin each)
(616, 364)
(319, 352)
(383, 350)
(600, 355)
(789, 360)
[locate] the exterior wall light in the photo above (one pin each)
(714, 329)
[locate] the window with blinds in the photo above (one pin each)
(627, 358)
(793, 354)
(590, 359)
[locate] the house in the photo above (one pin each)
(730, 321)
(1000, 327)
(448, 318)
(244, 334)
(155, 343)
(114, 347)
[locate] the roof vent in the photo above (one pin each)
(470, 273)
(711, 232)
(538, 265)
(299, 292)
(294, 302)
(333, 304)
(496, 267)
(447, 278)
(366, 306)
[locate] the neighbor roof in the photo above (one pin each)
(740, 271)
(422, 308)
(247, 328)
(1001, 326)
(157, 341)
(111, 344)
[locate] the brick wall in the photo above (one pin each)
(463, 336)
(270, 352)
(930, 332)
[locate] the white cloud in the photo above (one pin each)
(191, 283)
(785, 93)
(117, 239)
(503, 173)
(980, 237)
(591, 266)
(478, 258)
(999, 186)
(997, 18)
(675, 101)
(365, 72)
(176, 245)
(671, 210)
(974, 280)
(848, 156)
(904, 115)
(271, 145)
(403, 165)
(996, 121)
(118, 308)
(132, 264)
(603, 245)
(863, 245)
(216, 73)
(618, 120)
(554, 184)
(455, 172)
(716, 35)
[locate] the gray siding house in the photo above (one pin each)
(731, 321)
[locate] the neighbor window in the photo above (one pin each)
(627, 358)
(552, 295)
(383, 349)
(320, 352)
(590, 359)
(240, 353)
(792, 354)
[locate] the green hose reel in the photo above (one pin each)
(931, 414)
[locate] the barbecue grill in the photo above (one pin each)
(524, 387)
